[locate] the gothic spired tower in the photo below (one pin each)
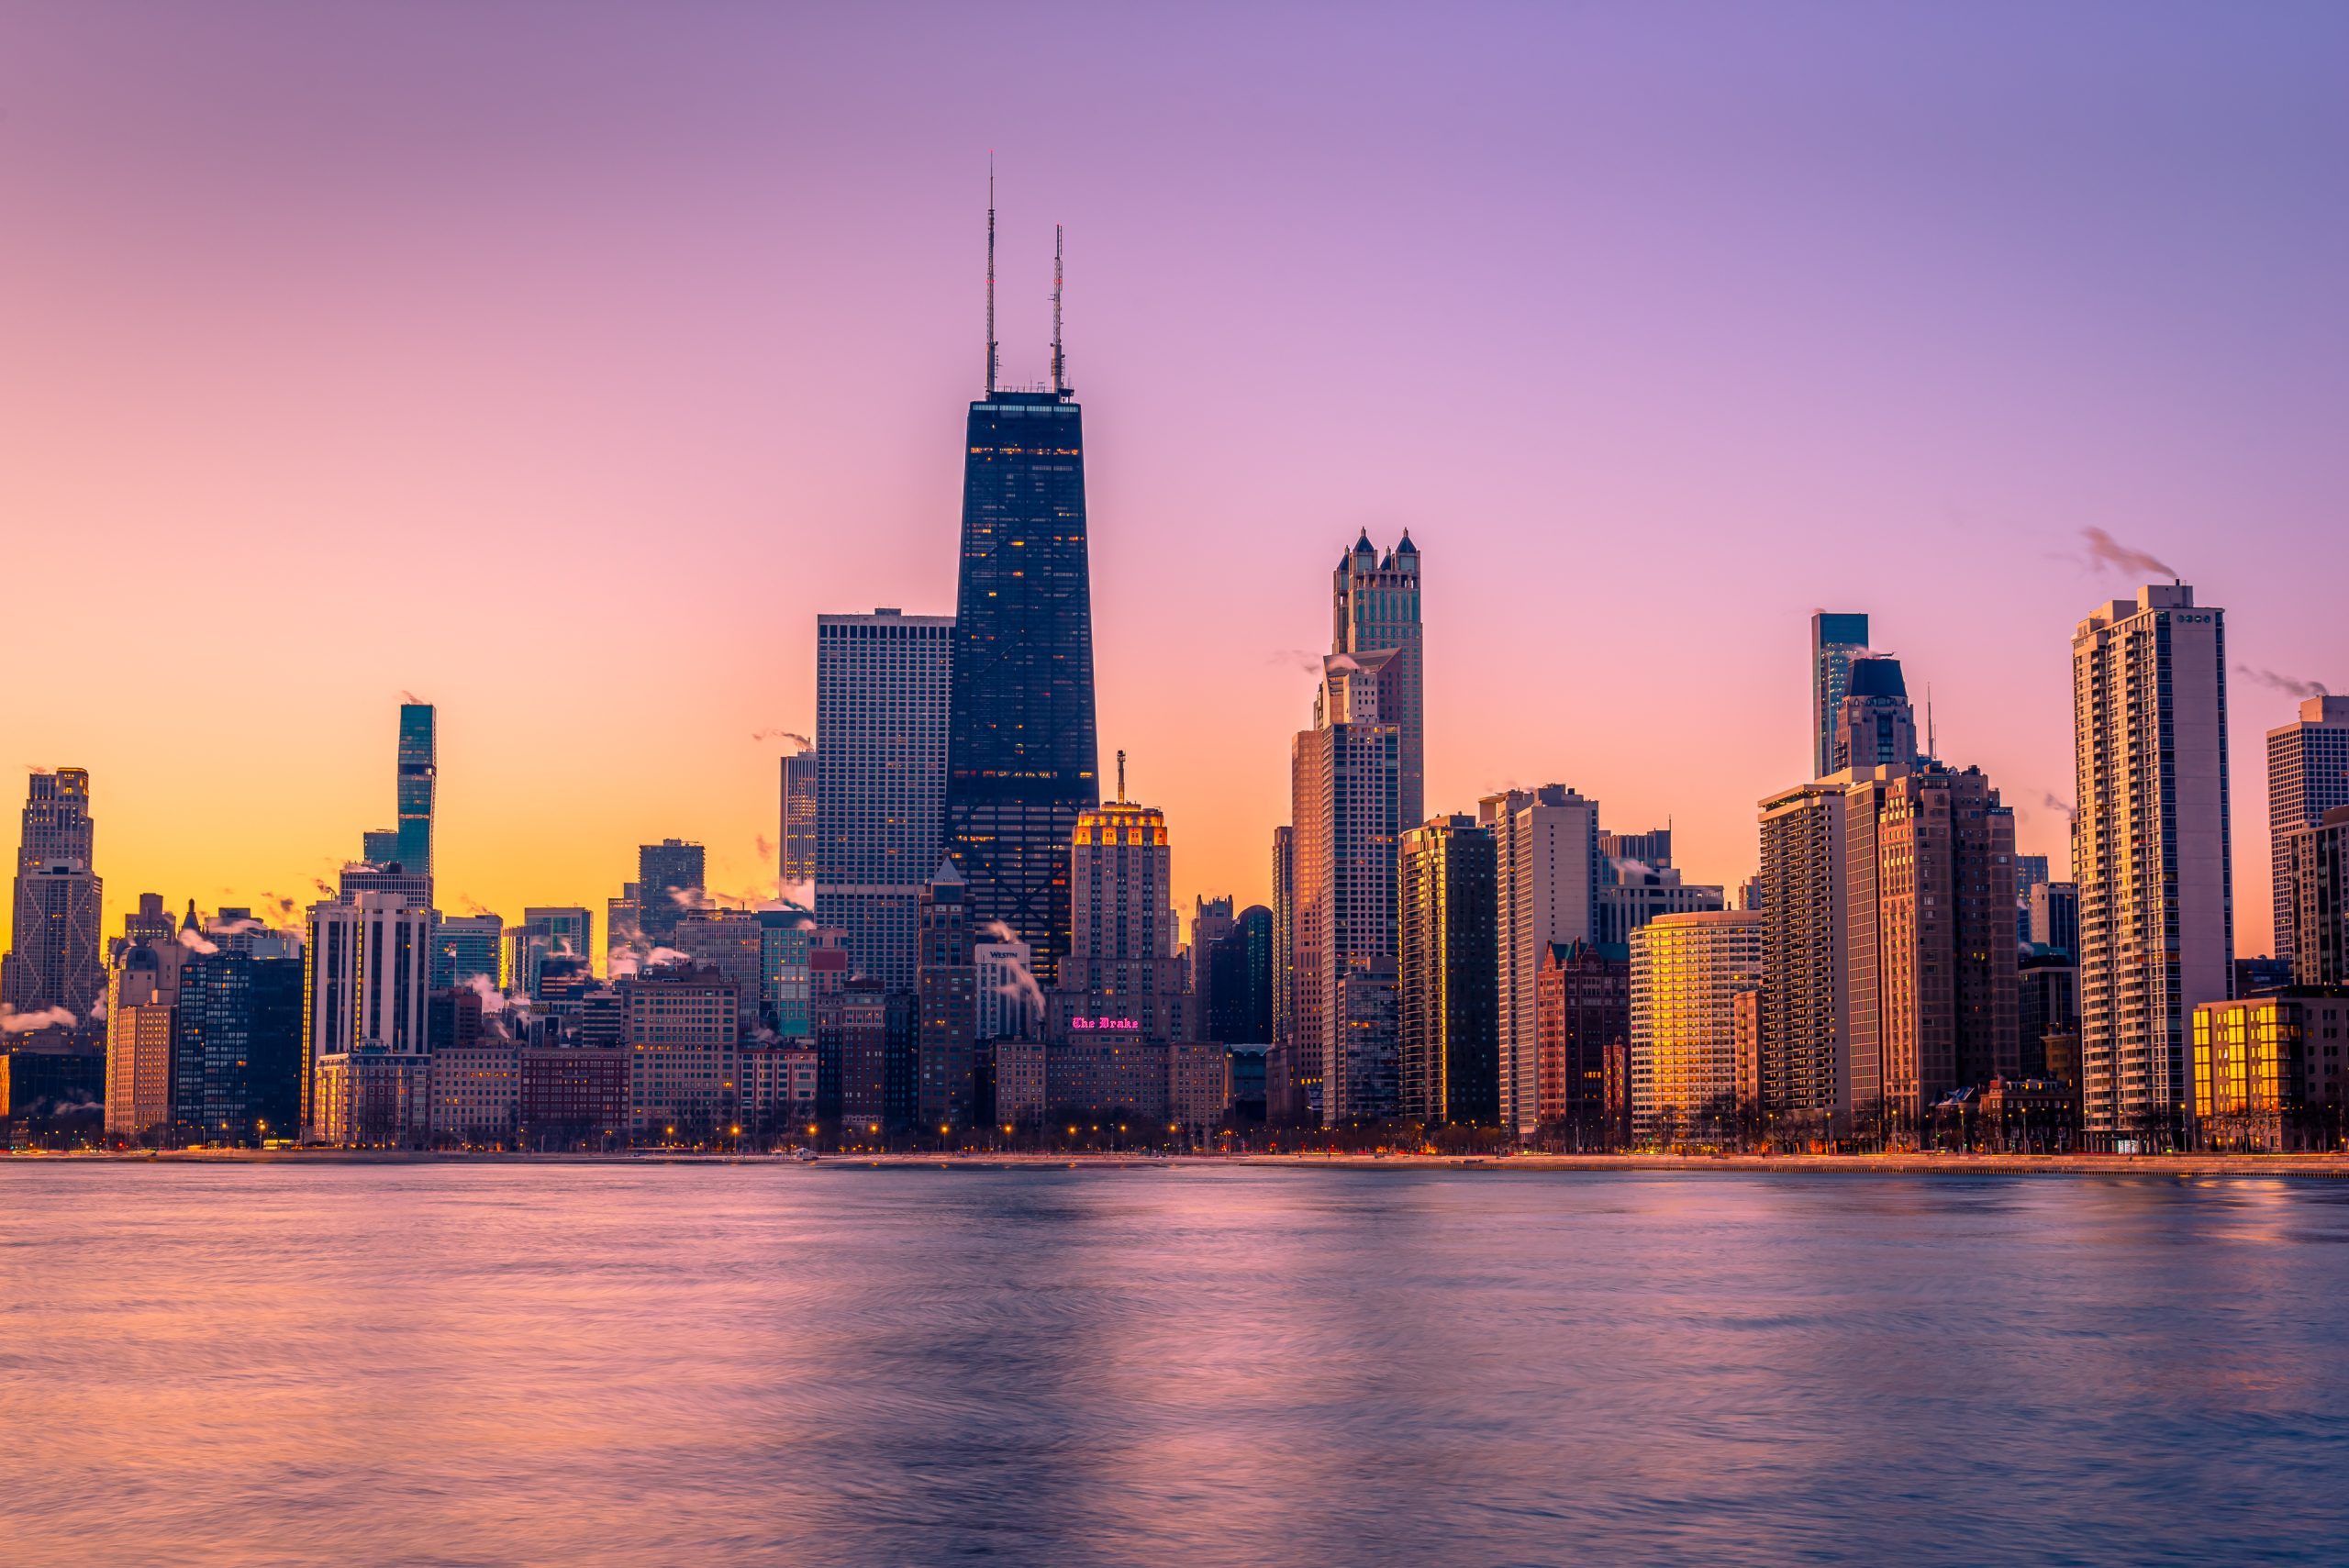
(1021, 755)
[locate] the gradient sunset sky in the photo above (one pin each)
(561, 363)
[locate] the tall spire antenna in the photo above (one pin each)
(1121, 776)
(1930, 754)
(1059, 364)
(991, 346)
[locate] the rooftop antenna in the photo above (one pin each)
(1121, 776)
(1931, 755)
(1060, 360)
(991, 346)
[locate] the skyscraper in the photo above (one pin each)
(2317, 864)
(1582, 1005)
(946, 985)
(1375, 607)
(1546, 882)
(365, 1051)
(56, 943)
(1123, 961)
(669, 881)
(2150, 852)
(1446, 970)
(1344, 778)
(882, 685)
(418, 756)
(1874, 726)
(1022, 751)
(465, 945)
(1929, 958)
(1835, 639)
(138, 1042)
(797, 841)
(1804, 1045)
(237, 1047)
(2307, 775)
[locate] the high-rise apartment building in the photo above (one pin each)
(1687, 974)
(670, 877)
(1375, 608)
(369, 971)
(1633, 891)
(946, 982)
(1023, 757)
(882, 688)
(419, 770)
(2316, 870)
(1835, 639)
(798, 843)
(1344, 778)
(56, 946)
(2307, 775)
(1805, 1027)
(1929, 957)
(2150, 852)
(2052, 917)
(1547, 874)
(1211, 922)
(1874, 726)
(1447, 968)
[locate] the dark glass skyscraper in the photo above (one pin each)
(1022, 753)
(415, 781)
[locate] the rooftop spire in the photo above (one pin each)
(991, 345)
(1060, 362)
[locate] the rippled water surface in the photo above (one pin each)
(660, 1363)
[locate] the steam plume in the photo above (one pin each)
(2107, 551)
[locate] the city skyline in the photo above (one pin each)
(728, 533)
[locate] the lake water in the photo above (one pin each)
(604, 1364)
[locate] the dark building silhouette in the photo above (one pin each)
(1239, 1009)
(946, 982)
(1021, 756)
(1582, 1008)
(668, 879)
(237, 1047)
(1447, 962)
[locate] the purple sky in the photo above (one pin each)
(560, 362)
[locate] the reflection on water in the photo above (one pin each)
(656, 1364)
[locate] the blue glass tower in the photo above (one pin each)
(415, 776)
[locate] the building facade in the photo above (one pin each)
(1806, 1029)
(2150, 853)
(2307, 775)
(1022, 755)
(1375, 608)
(1547, 872)
(56, 956)
(1687, 974)
(883, 686)
(1835, 639)
(1447, 970)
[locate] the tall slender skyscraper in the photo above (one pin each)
(1022, 758)
(56, 948)
(881, 718)
(1446, 970)
(2150, 852)
(418, 759)
(1374, 606)
(1875, 727)
(1546, 876)
(2307, 775)
(670, 876)
(796, 846)
(1343, 788)
(1835, 639)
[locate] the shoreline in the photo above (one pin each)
(2334, 1167)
